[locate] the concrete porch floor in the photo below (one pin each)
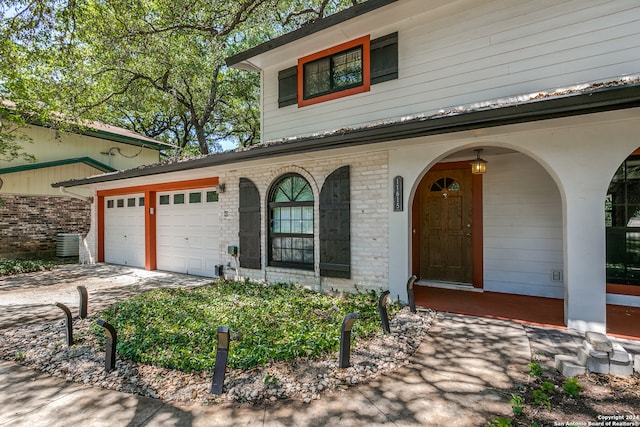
(622, 321)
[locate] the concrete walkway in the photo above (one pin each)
(461, 374)
(458, 377)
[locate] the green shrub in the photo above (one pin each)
(516, 404)
(542, 398)
(16, 266)
(572, 386)
(535, 370)
(547, 387)
(176, 328)
(500, 422)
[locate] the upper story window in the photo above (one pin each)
(342, 70)
(333, 73)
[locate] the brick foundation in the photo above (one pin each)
(29, 224)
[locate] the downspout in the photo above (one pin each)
(75, 196)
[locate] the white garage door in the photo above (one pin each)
(124, 230)
(187, 229)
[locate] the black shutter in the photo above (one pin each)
(250, 255)
(384, 58)
(335, 225)
(288, 87)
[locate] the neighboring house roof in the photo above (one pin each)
(104, 131)
(63, 162)
(311, 28)
(125, 136)
(578, 100)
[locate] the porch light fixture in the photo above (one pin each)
(479, 165)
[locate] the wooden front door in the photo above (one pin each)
(445, 212)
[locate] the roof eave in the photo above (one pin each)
(55, 163)
(239, 60)
(124, 139)
(601, 100)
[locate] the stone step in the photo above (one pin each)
(599, 341)
(594, 362)
(569, 366)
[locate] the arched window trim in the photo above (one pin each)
(292, 245)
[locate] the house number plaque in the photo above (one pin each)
(397, 194)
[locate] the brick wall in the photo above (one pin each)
(29, 224)
(369, 219)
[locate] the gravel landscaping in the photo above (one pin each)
(43, 346)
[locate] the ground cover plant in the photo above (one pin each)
(176, 328)
(10, 267)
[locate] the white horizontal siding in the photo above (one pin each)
(477, 51)
(522, 227)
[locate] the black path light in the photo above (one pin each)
(110, 351)
(221, 360)
(345, 339)
(384, 315)
(410, 296)
(84, 301)
(69, 322)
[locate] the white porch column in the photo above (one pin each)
(585, 276)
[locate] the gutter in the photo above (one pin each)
(588, 102)
(66, 192)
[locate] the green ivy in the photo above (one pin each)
(177, 328)
(9, 267)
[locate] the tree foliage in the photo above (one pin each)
(153, 66)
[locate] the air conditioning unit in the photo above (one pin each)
(67, 244)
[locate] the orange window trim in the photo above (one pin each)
(366, 71)
(165, 186)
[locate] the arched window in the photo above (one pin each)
(445, 184)
(622, 216)
(291, 223)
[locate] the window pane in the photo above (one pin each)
(347, 69)
(212, 196)
(307, 220)
(164, 199)
(178, 199)
(285, 220)
(317, 77)
(131, 202)
(195, 197)
(275, 225)
(141, 201)
(120, 203)
(633, 169)
(109, 204)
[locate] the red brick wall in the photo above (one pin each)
(29, 224)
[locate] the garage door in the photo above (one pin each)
(187, 232)
(124, 230)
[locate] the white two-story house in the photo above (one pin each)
(372, 120)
